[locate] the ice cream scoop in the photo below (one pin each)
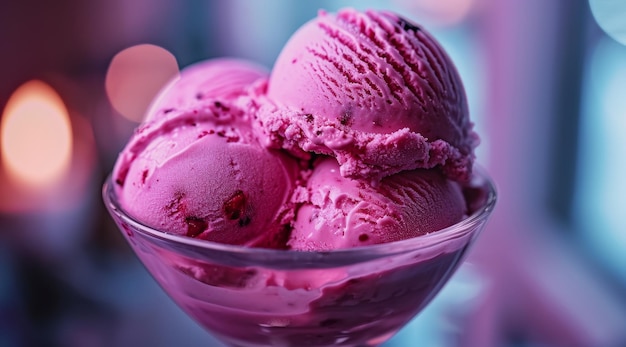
(202, 173)
(374, 90)
(345, 213)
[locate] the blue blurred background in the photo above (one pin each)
(546, 82)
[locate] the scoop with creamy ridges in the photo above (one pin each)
(374, 90)
(344, 213)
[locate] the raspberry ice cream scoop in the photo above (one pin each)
(196, 168)
(202, 173)
(374, 90)
(344, 213)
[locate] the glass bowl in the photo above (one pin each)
(261, 297)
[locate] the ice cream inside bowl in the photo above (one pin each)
(322, 203)
(343, 213)
(202, 175)
(264, 297)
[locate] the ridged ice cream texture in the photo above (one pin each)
(343, 213)
(364, 105)
(374, 90)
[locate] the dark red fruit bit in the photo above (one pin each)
(345, 118)
(363, 237)
(407, 25)
(175, 205)
(144, 176)
(308, 117)
(245, 220)
(235, 206)
(203, 134)
(232, 139)
(221, 106)
(199, 96)
(168, 110)
(121, 178)
(190, 122)
(195, 226)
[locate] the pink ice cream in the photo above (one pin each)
(202, 173)
(375, 91)
(364, 105)
(345, 213)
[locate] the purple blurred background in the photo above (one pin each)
(545, 80)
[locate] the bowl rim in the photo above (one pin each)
(427, 241)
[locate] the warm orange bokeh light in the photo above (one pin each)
(134, 77)
(35, 135)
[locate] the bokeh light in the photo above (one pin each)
(611, 17)
(36, 135)
(134, 77)
(437, 12)
(601, 192)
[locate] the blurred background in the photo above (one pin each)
(546, 82)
